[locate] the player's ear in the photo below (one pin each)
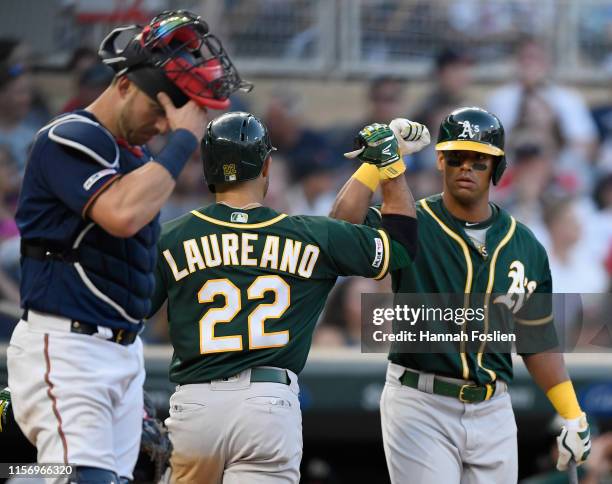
(265, 171)
(124, 86)
(440, 160)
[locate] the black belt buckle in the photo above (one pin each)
(122, 337)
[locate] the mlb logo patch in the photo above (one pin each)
(378, 257)
(239, 217)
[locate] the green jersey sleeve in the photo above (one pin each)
(535, 327)
(373, 217)
(363, 251)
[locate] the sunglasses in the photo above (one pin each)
(456, 159)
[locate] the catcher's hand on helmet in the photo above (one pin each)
(411, 136)
(378, 145)
(574, 442)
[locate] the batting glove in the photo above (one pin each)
(377, 144)
(411, 136)
(5, 403)
(574, 442)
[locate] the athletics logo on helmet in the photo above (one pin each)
(234, 148)
(474, 129)
(176, 54)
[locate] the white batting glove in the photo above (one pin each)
(411, 136)
(574, 442)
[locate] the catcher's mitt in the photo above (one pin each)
(155, 447)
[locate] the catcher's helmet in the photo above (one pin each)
(234, 148)
(175, 54)
(474, 129)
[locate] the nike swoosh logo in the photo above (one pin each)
(467, 224)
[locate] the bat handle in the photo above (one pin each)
(572, 472)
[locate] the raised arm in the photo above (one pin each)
(132, 201)
(382, 165)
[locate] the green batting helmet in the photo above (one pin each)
(234, 148)
(474, 129)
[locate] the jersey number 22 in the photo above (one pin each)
(258, 338)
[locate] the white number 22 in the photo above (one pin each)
(258, 338)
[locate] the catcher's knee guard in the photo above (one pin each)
(94, 475)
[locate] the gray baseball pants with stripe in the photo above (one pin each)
(435, 439)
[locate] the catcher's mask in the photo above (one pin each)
(176, 54)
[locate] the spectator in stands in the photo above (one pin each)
(16, 95)
(384, 100)
(20, 53)
(603, 119)
(91, 83)
(9, 234)
(534, 101)
(574, 267)
(301, 147)
(528, 180)
(341, 321)
(453, 75)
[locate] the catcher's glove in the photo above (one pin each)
(155, 447)
(5, 403)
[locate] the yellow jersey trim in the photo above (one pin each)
(387, 253)
(259, 225)
(469, 273)
(490, 283)
(535, 322)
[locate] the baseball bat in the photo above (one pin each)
(572, 473)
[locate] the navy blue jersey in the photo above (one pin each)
(73, 159)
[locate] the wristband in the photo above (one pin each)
(393, 170)
(181, 145)
(368, 175)
(563, 398)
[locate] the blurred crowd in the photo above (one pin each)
(559, 181)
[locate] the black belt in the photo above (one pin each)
(123, 337)
(40, 249)
(465, 393)
(264, 375)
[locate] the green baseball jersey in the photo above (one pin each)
(501, 277)
(245, 287)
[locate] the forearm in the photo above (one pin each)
(549, 373)
(140, 194)
(352, 202)
(397, 197)
(132, 201)
(546, 369)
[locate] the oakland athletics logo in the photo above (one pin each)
(516, 297)
(469, 129)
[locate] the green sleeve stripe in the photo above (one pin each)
(387, 252)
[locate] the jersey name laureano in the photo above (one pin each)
(287, 255)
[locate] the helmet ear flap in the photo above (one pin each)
(498, 171)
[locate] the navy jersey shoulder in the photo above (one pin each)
(72, 160)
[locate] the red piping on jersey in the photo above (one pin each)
(135, 150)
(60, 431)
